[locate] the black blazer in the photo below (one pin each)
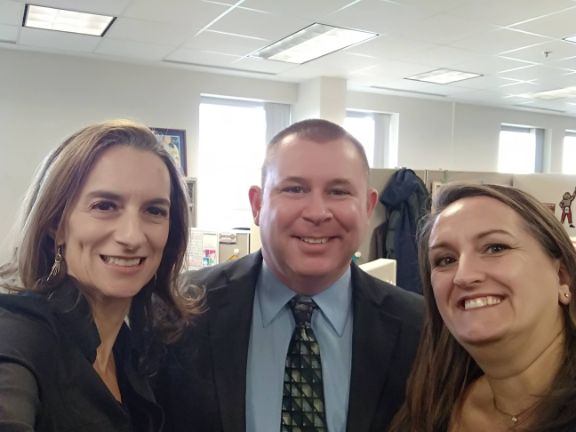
(202, 385)
(56, 339)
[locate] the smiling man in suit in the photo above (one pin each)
(296, 337)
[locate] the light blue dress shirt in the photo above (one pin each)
(272, 327)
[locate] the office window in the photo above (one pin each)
(569, 153)
(375, 132)
(233, 137)
(520, 149)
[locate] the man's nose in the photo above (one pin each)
(317, 209)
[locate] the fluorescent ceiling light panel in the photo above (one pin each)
(562, 93)
(443, 76)
(566, 92)
(312, 42)
(67, 21)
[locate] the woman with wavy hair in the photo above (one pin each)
(498, 350)
(92, 284)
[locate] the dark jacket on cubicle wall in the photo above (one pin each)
(406, 200)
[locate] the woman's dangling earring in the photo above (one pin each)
(57, 266)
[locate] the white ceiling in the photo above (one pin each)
(516, 44)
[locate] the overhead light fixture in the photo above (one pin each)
(562, 93)
(570, 39)
(66, 20)
(443, 76)
(416, 92)
(312, 42)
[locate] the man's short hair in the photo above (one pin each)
(316, 130)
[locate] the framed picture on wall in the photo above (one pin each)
(175, 142)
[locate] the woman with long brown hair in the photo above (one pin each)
(498, 350)
(93, 285)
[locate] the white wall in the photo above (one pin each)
(44, 98)
(456, 136)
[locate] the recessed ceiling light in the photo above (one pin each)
(566, 92)
(570, 39)
(312, 42)
(443, 76)
(66, 20)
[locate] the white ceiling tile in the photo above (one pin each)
(305, 9)
(136, 50)
(544, 53)
(569, 63)
(415, 36)
(497, 41)
(409, 86)
(391, 48)
(341, 64)
(443, 56)
(261, 65)
(443, 29)
(214, 41)
(11, 12)
(148, 31)
(490, 65)
(194, 13)
(378, 16)
(530, 73)
(481, 83)
(58, 41)
(187, 55)
(8, 33)
(508, 12)
(434, 6)
(391, 71)
(558, 25)
(259, 24)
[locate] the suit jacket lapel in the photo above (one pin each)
(375, 334)
(230, 334)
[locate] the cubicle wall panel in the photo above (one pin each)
(556, 191)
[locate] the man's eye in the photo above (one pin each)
(339, 192)
(103, 206)
(293, 189)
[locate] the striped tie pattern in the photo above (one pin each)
(303, 397)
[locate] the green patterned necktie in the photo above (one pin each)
(303, 399)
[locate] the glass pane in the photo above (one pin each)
(516, 152)
(362, 128)
(231, 151)
(569, 155)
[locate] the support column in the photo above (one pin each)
(322, 97)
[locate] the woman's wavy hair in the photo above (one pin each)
(161, 305)
(443, 369)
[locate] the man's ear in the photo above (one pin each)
(255, 196)
(372, 200)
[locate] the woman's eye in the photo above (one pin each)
(104, 206)
(496, 248)
(158, 211)
(443, 261)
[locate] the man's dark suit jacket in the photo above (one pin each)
(202, 386)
